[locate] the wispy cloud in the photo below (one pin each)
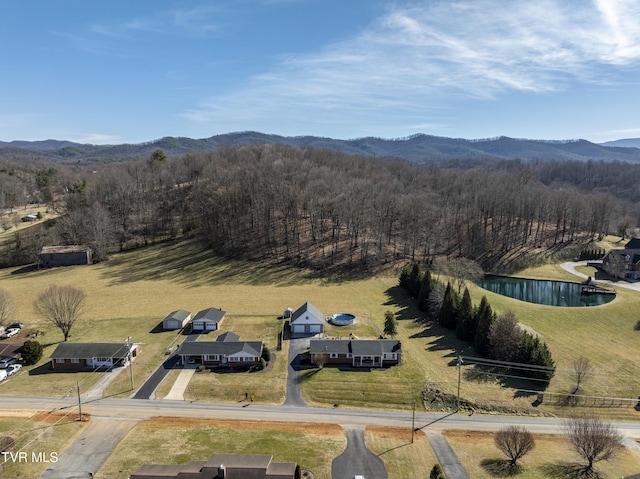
(96, 139)
(416, 54)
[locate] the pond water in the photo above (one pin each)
(552, 293)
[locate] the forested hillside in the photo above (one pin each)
(325, 209)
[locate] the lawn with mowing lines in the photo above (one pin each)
(178, 441)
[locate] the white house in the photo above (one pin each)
(307, 319)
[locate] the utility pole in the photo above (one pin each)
(459, 366)
(130, 357)
(79, 401)
(413, 421)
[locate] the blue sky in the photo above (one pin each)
(134, 71)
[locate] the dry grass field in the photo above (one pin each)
(39, 437)
(131, 293)
(480, 457)
(178, 441)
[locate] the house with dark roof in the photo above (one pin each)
(84, 356)
(358, 353)
(307, 320)
(226, 350)
(52, 256)
(221, 466)
(207, 320)
(176, 320)
(624, 263)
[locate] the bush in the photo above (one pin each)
(436, 473)
(31, 352)
(266, 354)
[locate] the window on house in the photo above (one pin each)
(59, 360)
(102, 360)
(333, 355)
(75, 360)
(211, 357)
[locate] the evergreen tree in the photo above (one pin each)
(484, 319)
(390, 324)
(465, 327)
(447, 315)
(426, 286)
(436, 473)
(535, 352)
(415, 278)
(31, 352)
(403, 280)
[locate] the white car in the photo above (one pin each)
(10, 332)
(14, 368)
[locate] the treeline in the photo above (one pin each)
(314, 208)
(497, 337)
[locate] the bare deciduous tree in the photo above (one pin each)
(515, 442)
(582, 371)
(62, 305)
(7, 311)
(593, 440)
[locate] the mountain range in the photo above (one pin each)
(419, 148)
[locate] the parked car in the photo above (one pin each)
(10, 332)
(3, 374)
(6, 362)
(16, 326)
(14, 368)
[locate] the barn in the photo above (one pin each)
(52, 256)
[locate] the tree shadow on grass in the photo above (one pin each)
(501, 467)
(570, 471)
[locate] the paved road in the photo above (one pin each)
(141, 409)
(296, 346)
(148, 388)
(450, 463)
(90, 450)
(357, 459)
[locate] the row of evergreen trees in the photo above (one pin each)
(495, 337)
(591, 254)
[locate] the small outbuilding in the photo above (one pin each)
(207, 320)
(306, 320)
(176, 320)
(52, 256)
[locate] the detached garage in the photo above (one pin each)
(176, 320)
(307, 320)
(207, 320)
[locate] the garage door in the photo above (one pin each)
(198, 326)
(315, 328)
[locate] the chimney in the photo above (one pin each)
(222, 471)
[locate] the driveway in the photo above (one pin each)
(570, 267)
(90, 450)
(446, 457)
(357, 459)
(296, 346)
(149, 387)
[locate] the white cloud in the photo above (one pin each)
(416, 55)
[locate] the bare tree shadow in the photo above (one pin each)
(570, 471)
(501, 467)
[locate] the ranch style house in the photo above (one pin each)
(226, 350)
(358, 353)
(84, 356)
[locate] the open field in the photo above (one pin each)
(479, 455)
(40, 437)
(131, 293)
(178, 441)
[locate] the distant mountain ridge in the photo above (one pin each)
(417, 148)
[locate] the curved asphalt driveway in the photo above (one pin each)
(357, 459)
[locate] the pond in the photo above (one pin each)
(552, 293)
